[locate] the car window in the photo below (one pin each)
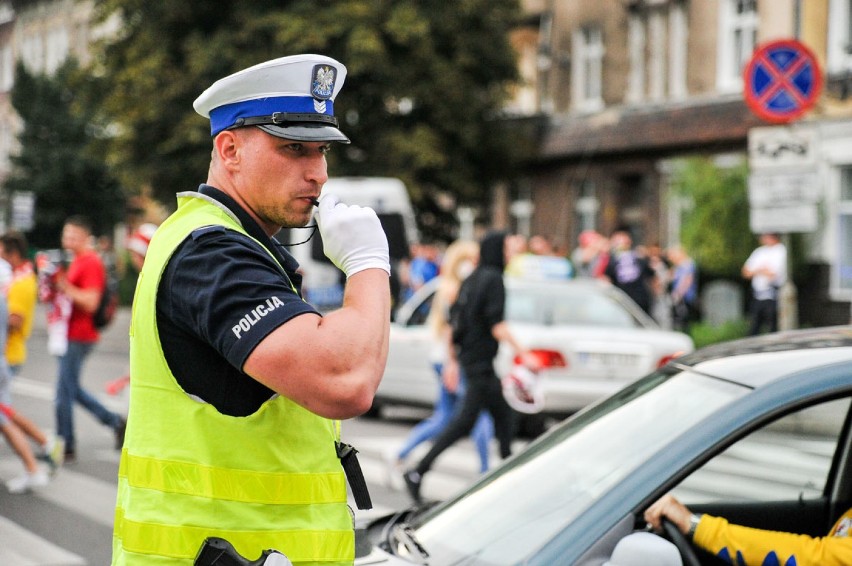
(749, 470)
(548, 306)
(421, 313)
(544, 488)
(554, 306)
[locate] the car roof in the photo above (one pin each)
(579, 283)
(759, 360)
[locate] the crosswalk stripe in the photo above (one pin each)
(33, 388)
(24, 548)
(47, 392)
(74, 491)
(83, 494)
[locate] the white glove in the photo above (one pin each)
(352, 236)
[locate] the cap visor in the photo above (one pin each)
(306, 132)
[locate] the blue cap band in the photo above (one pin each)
(227, 115)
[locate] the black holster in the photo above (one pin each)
(218, 552)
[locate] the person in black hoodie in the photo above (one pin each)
(478, 328)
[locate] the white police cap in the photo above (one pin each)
(289, 97)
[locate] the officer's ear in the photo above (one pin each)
(226, 146)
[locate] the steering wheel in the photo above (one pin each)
(682, 544)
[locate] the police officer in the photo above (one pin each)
(236, 381)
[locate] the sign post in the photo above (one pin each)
(784, 192)
(782, 82)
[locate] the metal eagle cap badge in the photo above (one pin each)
(322, 81)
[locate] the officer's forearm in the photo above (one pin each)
(352, 346)
(331, 365)
(367, 300)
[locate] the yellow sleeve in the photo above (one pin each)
(745, 546)
(22, 297)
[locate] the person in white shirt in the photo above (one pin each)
(766, 267)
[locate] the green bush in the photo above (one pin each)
(704, 334)
(715, 229)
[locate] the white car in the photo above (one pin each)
(591, 338)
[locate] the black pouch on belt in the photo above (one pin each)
(349, 459)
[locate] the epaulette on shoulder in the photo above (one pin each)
(204, 231)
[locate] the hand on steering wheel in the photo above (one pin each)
(687, 552)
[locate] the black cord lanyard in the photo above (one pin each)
(313, 228)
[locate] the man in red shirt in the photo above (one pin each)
(83, 284)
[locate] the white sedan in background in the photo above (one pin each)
(590, 337)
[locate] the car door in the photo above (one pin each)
(410, 377)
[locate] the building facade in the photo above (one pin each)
(42, 34)
(629, 87)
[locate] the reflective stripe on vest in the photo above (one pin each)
(233, 485)
(182, 542)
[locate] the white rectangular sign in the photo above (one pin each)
(783, 188)
(784, 219)
(23, 209)
(781, 146)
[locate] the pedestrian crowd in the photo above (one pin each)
(71, 283)
(662, 282)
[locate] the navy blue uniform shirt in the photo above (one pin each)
(221, 294)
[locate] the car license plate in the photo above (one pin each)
(608, 359)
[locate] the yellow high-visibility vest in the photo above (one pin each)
(271, 480)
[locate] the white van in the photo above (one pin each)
(322, 282)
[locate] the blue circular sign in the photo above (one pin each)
(782, 81)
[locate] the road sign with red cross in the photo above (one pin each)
(782, 81)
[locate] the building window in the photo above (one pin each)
(636, 49)
(7, 140)
(7, 68)
(587, 69)
(657, 59)
(657, 46)
(544, 63)
(7, 12)
(839, 56)
(586, 208)
(678, 47)
(57, 49)
(737, 39)
(844, 279)
(32, 52)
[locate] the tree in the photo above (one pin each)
(54, 162)
(716, 230)
(426, 82)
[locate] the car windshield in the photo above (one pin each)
(520, 506)
(555, 305)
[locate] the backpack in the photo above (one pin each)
(108, 305)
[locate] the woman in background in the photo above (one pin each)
(457, 263)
